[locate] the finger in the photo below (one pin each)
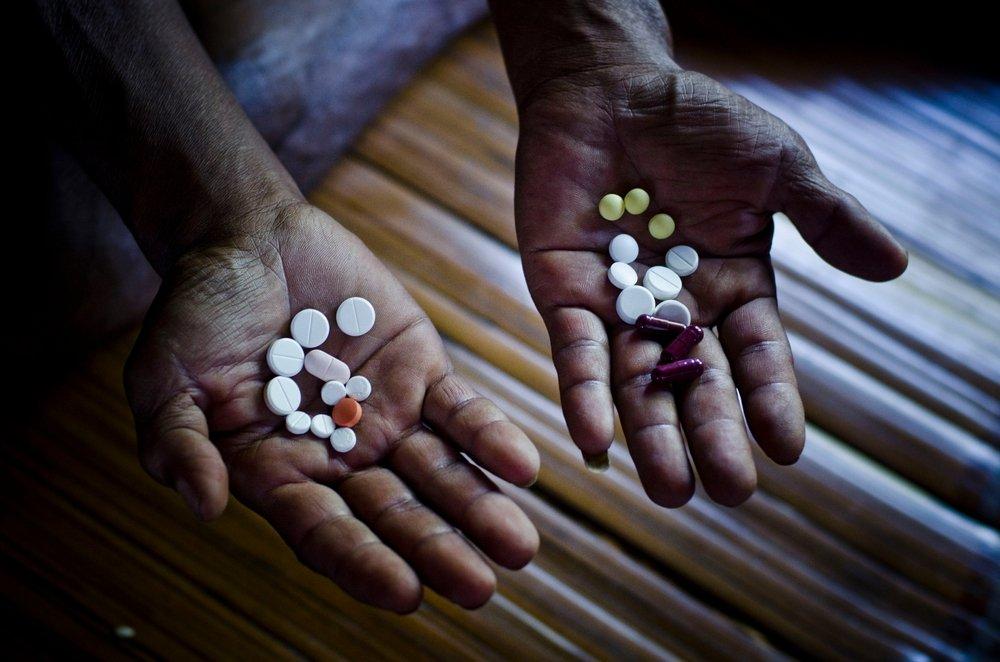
(832, 221)
(444, 559)
(714, 428)
(174, 448)
(466, 498)
(317, 523)
(649, 419)
(478, 427)
(580, 352)
(761, 358)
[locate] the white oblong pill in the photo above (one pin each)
(324, 366)
(310, 328)
(662, 282)
(355, 316)
(359, 388)
(622, 275)
(343, 439)
(636, 201)
(298, 422)
(673, 311)
(332, 393)
(284, 357)
(634, 301)
(322, 426)
(282, 396)
(624, 248)
(683, 260)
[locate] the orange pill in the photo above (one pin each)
(347, 413)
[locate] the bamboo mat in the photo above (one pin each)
(880, 542)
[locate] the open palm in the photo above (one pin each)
(720, 166)
(398, 510)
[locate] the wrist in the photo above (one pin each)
(569, 42)
(169, 225)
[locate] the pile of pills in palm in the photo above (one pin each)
(344, 393)
(654, 301)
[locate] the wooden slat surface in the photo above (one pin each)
(880, 543)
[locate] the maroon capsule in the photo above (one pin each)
(681, 346)
(655, 327)
(678, 371)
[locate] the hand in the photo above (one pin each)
(720, 166)
(379, 520)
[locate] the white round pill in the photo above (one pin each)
(662, 282)
(634, 301)
(622, 275)
(282, 396)
(332, 392)
(356, 316)
(683, 260)
(359, 388)
(321, 426)
(298, 422)
(310, 328)
(324, 366)
(343, 439)
(284, 357)
(624, 248)
(673, 311)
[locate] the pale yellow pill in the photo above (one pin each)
(611, 207)
(636, 201)
(661, 226)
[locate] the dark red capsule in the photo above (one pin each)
(655, 327)
(681, 346)
(678, 371)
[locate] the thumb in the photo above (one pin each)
(174, 448)
(831, 220)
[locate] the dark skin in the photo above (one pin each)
(240, 252)
(603, 107)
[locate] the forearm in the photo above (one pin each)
(154, 124)
(543, 41)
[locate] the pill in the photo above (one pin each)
(673, 311)
(636, 201)
(634, 301)
(347, 412)
(355, 316)
(661, 226)
(332, 392)
(282, 396)
(326, 367)
(662, 282)
(678, 371)
(298, 422)
(359, 388)
(622, 275)
(659, 328)
(321, 426)
(343, 439)
(681, 346)
(624, 248)
(611, 207)
(683, 260)
(284, 357)
(310, 328)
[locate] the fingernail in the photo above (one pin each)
(532, 483)
(597, 464)
(190, 498)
